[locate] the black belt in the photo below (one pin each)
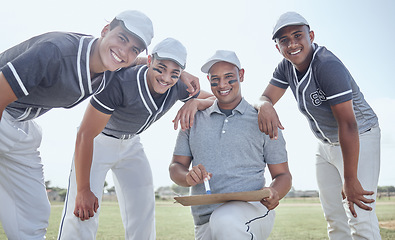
(109, 135)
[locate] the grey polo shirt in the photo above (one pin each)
(232, 148)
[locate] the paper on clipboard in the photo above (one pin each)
(205, 199)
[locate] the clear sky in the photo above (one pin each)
(359, 32)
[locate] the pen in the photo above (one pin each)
(207, 186)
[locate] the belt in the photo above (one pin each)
(123, 137)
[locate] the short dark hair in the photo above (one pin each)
(114, 23)
(276, 36)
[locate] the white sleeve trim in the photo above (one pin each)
(186, 99)
(339, 94)
(102, 105)
(278, 80)
(18, 79)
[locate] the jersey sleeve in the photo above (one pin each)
(279, 78)
(182, 147)
(107, 100)
(37, 66)
(274, 151)
(335, 81)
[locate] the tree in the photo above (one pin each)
(179, 189)
(111, 190)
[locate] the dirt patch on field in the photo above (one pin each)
(388, 225)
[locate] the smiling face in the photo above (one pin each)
(117, 48)
(295, 44)
(162, 75)
(225, 81)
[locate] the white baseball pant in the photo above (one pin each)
(330, 178)
(133, 185)
(237, 220)
(24, 205)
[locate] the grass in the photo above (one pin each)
(295, 219)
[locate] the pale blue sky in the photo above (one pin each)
(360, 33)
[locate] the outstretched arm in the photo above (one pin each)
(349, 143)
(7, 96)
(94, 121)
(267, 116)
(186, 114)
(280, 186)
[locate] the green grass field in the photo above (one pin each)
(295, 219)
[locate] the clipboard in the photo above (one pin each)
(205, 199)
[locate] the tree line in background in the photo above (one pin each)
(59, 194)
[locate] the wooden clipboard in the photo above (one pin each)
(204, 199)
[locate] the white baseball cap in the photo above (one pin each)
(138, 24)
(171, 49)
(288, 19)
(221, 56)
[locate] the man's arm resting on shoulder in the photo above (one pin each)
(186, 114)
(94, 121)
(280, 185)
(7, 96)
(349, 143)
(191, 81)
(268, 119)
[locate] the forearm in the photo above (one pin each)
(282, 184)
(83, 162)
(178, 173)
(349, 143)
(265, 99)
(205, 103)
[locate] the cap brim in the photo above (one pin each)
(171, 58)
(136, 35)
(286, 25)
(206, 67)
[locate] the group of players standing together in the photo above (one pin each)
(222, 136)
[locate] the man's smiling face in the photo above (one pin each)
(225, 81)
(295, 44)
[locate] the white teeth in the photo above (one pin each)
(163, 84)
(224, 92)
(116, 57)
(293, 53)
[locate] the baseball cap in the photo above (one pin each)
(138, 24)
(171, 49)
(288, 19)
(221, 56)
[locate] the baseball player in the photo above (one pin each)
(225, 140)
(56, 69)
(108, 138)
(348, 156)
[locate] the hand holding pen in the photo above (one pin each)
(197, 175)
